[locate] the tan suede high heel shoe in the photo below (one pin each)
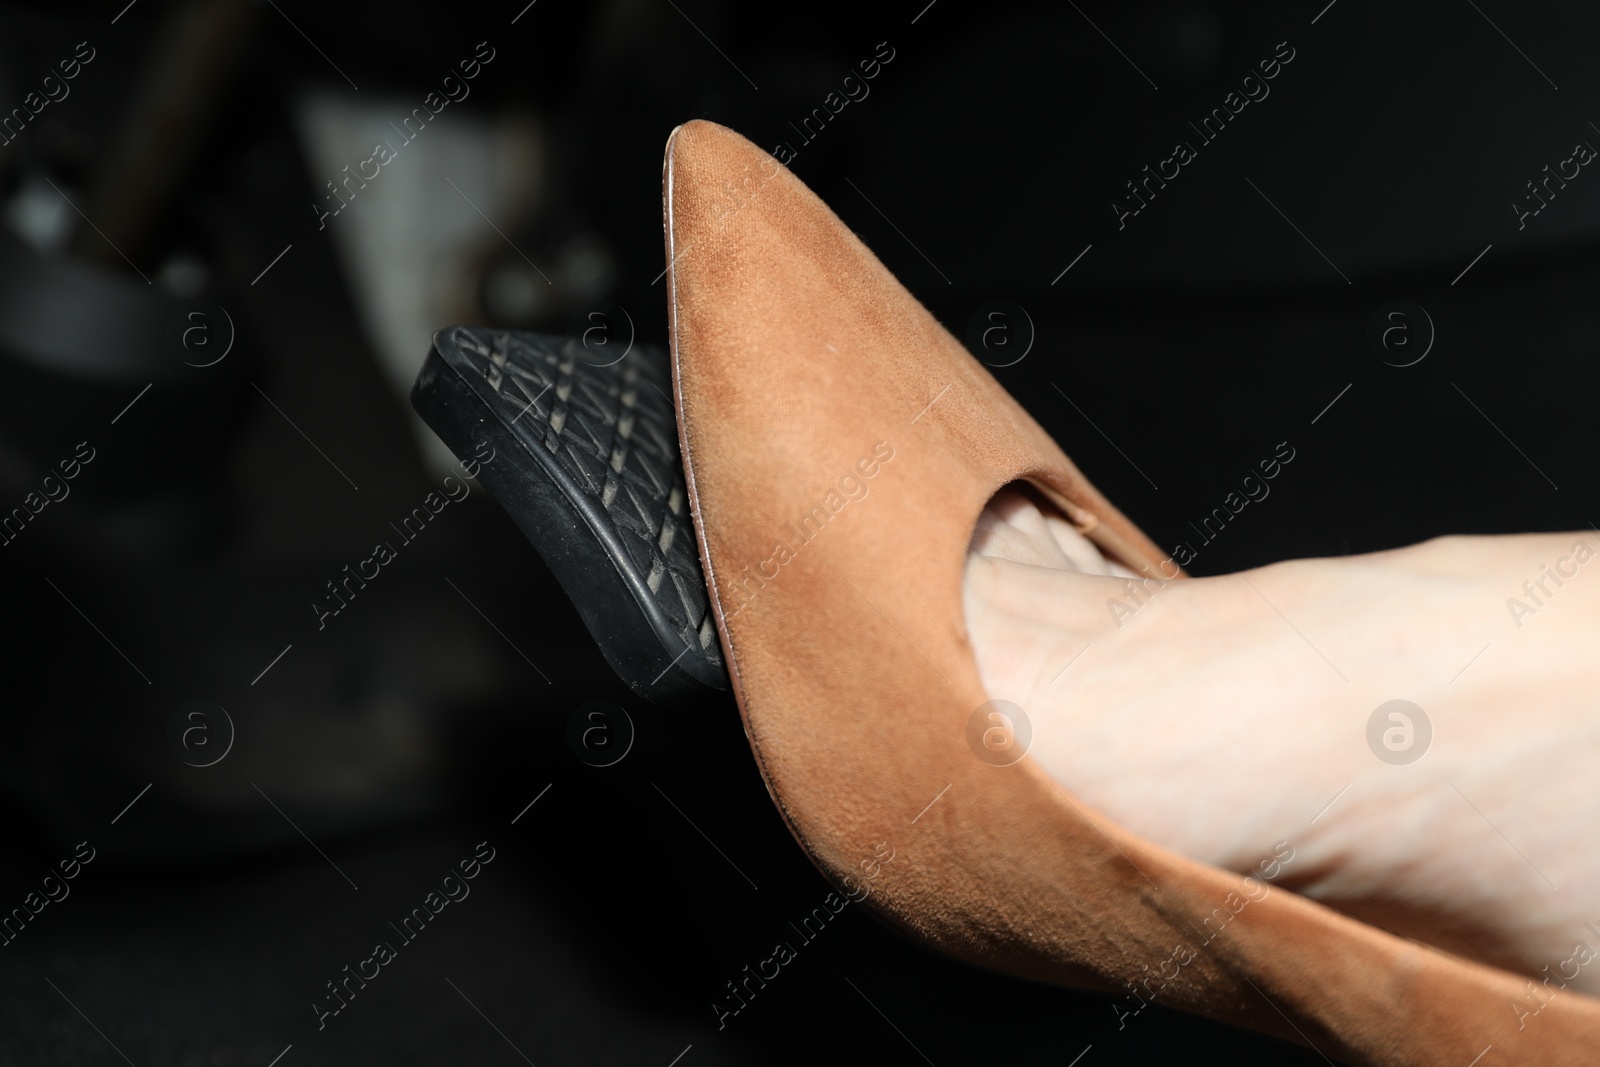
(840, 446)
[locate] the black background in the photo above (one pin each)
(1190, 343)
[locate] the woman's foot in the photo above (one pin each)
(1236, 720)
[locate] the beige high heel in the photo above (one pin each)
(840, 446)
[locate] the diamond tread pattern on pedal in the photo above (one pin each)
(613, 430)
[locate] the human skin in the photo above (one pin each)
(1226, 715)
